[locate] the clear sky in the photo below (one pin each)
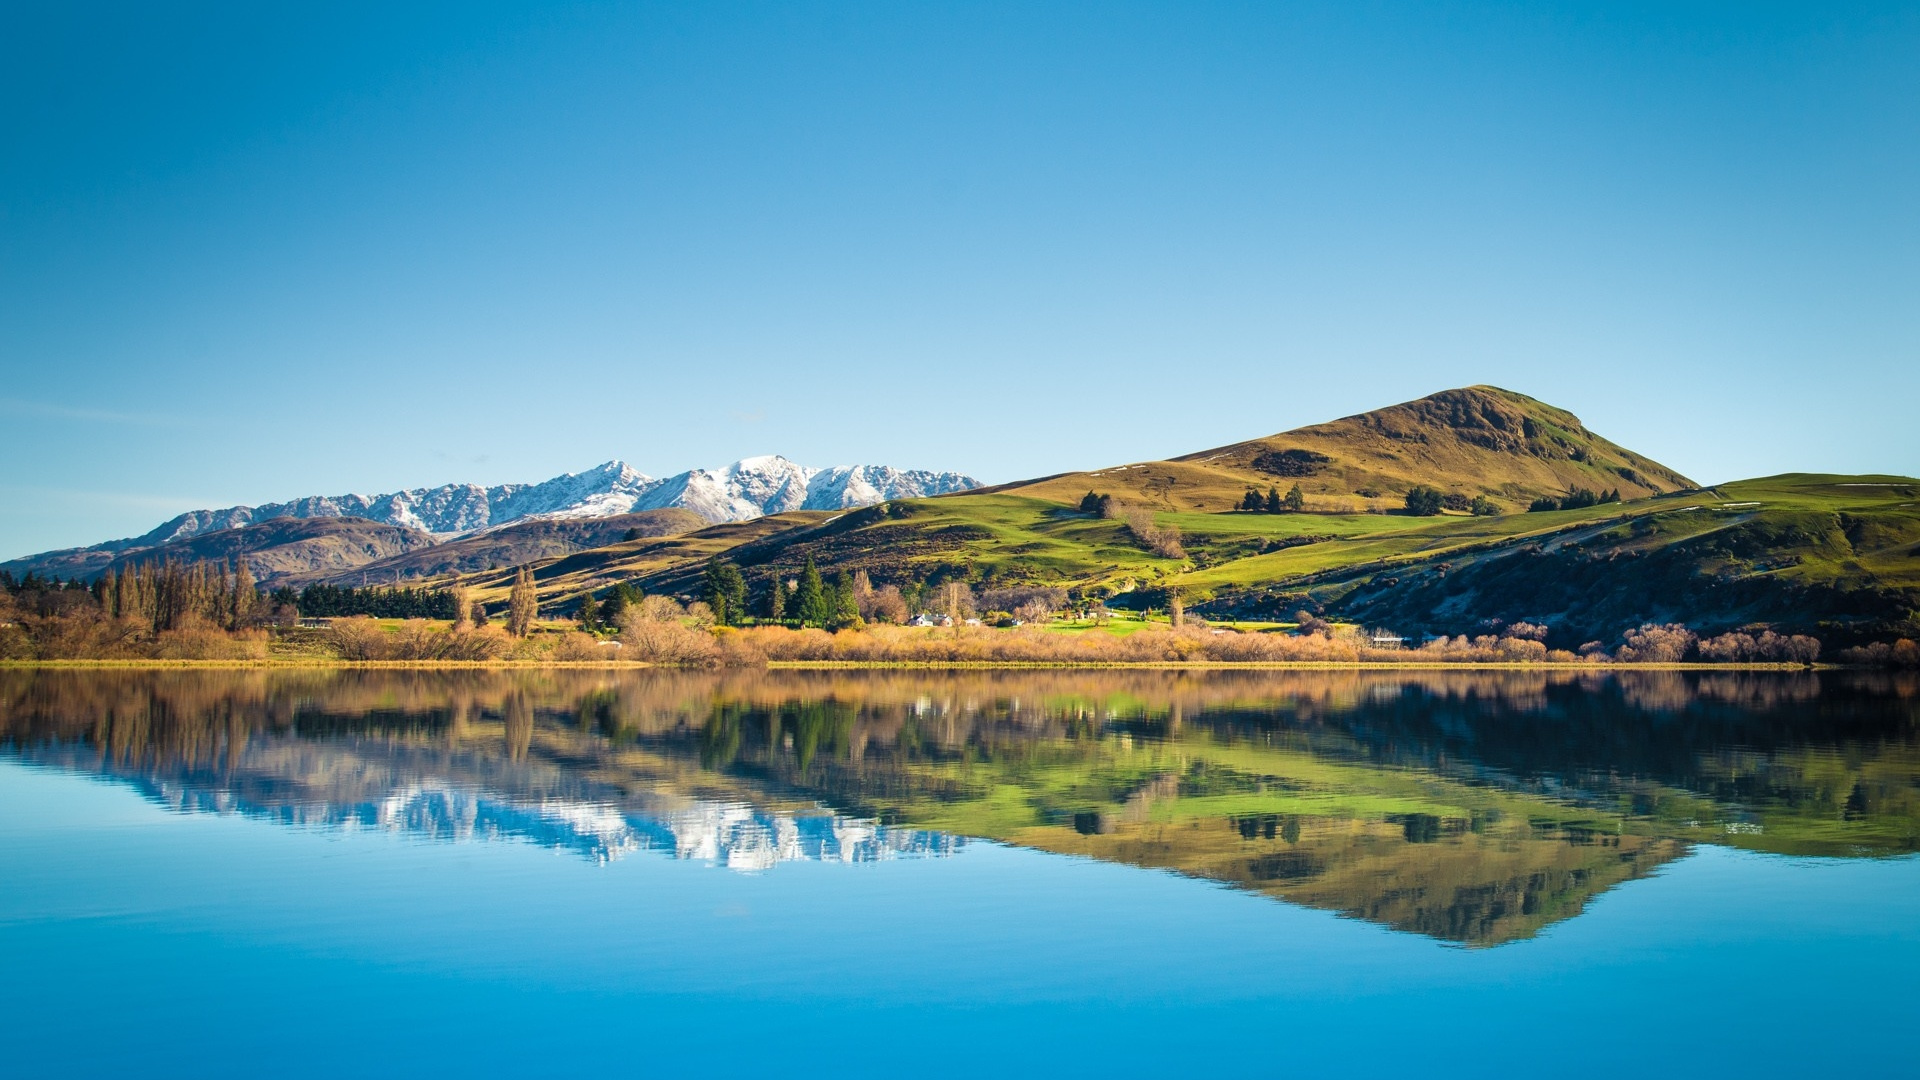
(258, 251)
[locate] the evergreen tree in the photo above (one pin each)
(623, 597)
(725, 591)
(776, 599)
(845, 602)
(811, 601)
(1090, 503)
(589, 612)
(1251, 500)
(1273, 505)
(523, 605)
(1424, 501)
(1296, 499)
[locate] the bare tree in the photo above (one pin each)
(956, 601)
(458, 590)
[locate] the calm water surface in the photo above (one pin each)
(1047, 874)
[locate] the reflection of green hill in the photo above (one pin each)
(1471, 807)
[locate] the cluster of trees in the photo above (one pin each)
(808, 600)
(1577, 499)
(159, 596)
(1273, 502)
(1903, 652)
(159, 609)
(335, 601)
(597, 615)
(1765, 646)
(1672, 643)
(172, 596)
(1424, 500)
(1161, 540)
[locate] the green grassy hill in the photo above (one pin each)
(1835, 556)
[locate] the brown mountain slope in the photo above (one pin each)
(1479, 440)
(278, 549)
(511, 545)
(565, 578)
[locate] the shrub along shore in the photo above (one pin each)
(194, 615)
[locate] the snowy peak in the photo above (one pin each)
(756, 486)
(749, 488)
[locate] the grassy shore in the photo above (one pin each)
(916, 665)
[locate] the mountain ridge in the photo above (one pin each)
(745, 489)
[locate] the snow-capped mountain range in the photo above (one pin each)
(748, 488)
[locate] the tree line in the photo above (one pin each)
(1271, 503)
(336, 601)
(1577, 499)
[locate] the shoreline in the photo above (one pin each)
(895, 665)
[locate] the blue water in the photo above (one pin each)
(139, 938)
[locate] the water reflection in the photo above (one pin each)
(1473, 807)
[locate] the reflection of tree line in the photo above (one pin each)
(1474, 806)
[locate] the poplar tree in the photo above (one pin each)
(460, 602)
(246, 594)
(522, 604)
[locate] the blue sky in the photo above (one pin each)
(260, 251)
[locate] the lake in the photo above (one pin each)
(1055, 873)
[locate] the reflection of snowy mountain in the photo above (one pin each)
(343, 787)
(726, 834)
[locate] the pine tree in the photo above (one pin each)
(725, 591)
(623, 597)
(589, 613)
(1273, 500)
(811, 601)
(776, 598)
(846, 602)
(1296, 499)
(523, 605)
